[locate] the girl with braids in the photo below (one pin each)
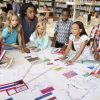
(12, 32)
(28, 20)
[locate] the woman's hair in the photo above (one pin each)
(8, 22)
(81, 26)
(24, 7)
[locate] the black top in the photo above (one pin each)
(28, 27)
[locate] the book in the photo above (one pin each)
(33, 60)
(2, 53)
(13, 87)
(6, 62)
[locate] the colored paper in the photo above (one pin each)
(33, 60)
(44, 96)
(53, 98)
(46, 90)
(58, 68)
(91, 67)
(14, 87)
(2, 53)
(70, 74)
(98, 72)
(10, 98)
(57, 51)
(49, 63)
(86, 74)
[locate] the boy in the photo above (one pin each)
(62, 30)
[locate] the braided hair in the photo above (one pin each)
(24, 7)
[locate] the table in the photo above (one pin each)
(42, 76)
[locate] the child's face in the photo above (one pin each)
(65, 16)
(42, 17)
(75, 29)
(98, 33)
(14, 21)
(30, 13)
(40, 29)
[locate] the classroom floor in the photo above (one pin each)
(47, 78)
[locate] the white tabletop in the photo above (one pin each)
(42, 76)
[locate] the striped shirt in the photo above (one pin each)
(95, 33)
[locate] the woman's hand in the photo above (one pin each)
(69, 62)
(26, 50)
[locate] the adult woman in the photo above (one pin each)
(28, 20)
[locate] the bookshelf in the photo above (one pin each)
(81, 6)
(60, 4)
(47, 2)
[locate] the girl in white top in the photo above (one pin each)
(80, 41)
(40, 38)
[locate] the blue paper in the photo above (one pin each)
(91, 67)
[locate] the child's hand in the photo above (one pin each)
(36, 49)
(69, 62)
(32, 47)
(26, 50)
(64, 48)
(97, 75)
(96, 56)
(53, 45)
(15, 45)
(62, 58)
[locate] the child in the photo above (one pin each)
(80, 41)
(95, 34)
(42, 19)
(1, 23)
(62, 30)
(45, 7)
(12, 32)
(40, 38)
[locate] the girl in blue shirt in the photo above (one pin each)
(40, 38)
(12, 32)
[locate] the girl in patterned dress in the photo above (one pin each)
(80, 41)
